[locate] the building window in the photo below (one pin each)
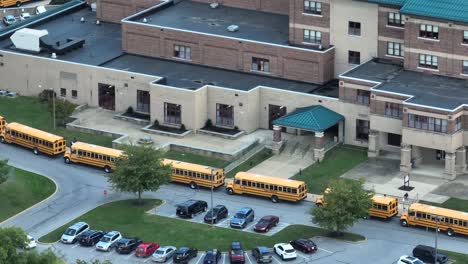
(312, 36)
(182, 52)
(172, 113)
(396, 19)
(362, 129)
(392, 110)
(465, 67)
(429, 31)
(363, 97)
(224, 115)
(63, 92)
(427, 123)
(354, 28)
(354, 57)
(458, 123)
(428, 61)
(393, 139)
(143, 101)
(259, 64)
(74, 93)
(312, 7)
(395, 49)
(465, 36)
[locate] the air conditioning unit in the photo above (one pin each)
(233, 28)
(214, 5)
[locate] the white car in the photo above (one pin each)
(25, 16)
(108, 241)
(285, 251)
(30, 243)
(40, 10)
(71, 234)
(163, 253)
(409, 260)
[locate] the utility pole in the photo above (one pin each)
(53, 106)
(212, 211)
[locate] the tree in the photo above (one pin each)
(4, 170)
(63, 110)
(140, 170)
(345, 203)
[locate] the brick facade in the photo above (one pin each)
(298, 21)
(271, 6)
(115, 10)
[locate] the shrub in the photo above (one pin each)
(208, 123)
(45, 96)
(130, 110)
(156, 123)
(236, 128)
(182, 127)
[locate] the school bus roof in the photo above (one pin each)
(383, 199)
(268, 179)
(1, 118)
(34, 132)
(439, 211)
(97, 149)
(190, 166)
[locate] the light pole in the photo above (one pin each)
(212, 187)
(437, 218)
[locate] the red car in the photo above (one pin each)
(146, 249)
(237, 255)
(266, 223)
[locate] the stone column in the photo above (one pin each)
(340, 131)
(374, 144)
(405, 161)
(450, 171)
(416, 156)
(460, 160)
(319, 146)
(277, 140)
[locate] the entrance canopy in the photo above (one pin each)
(314, 118)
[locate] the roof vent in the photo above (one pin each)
(82, 20)
(54, 55)
(145, 20)
(98, 22)
(214, 5)
(233, 28)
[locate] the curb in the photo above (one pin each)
(46, 244)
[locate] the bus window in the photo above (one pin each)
(100, 156)
(73, 151)
(244, 182)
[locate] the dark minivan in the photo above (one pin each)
(427, 254)
(90, 237)
(262, 255)
(191, 207)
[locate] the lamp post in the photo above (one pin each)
(212, 187)
(437, 218)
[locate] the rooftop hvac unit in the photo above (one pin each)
(233, 28)
(28, 39)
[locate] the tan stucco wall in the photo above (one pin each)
(385, 124)
(427, 139)
(343, 11)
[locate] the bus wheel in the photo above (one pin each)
(67, 160)
(2, 139)
(404, 223)
(230, 191)
(449, 232)
(193, 185)
(36, 151)
(274, 199)
(107, 169)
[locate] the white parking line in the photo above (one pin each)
(129, 256)
(224, 258)
(75, 246)
(91, 250)
(200, 258)
(248, 258)
(249, 227)
(328, 251)
(276, 259)
(302, 256)
(222, 222)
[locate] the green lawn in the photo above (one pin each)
(31, 112)
(452, 203)
(194, 158)
(256, 159)
(132, 220)
(457, 257)
(337, 161)
(23, 190)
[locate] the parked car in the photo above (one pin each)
(212, 256)
(184, 254)
(219, 212)
(191, 207)
(90, 237)
(285, 251)
(30, 242)
(127, 245)
(11, 94)
(3, 93)
(71, 234)
(266, 223)
(428, 254)
(409, 260)
(9, 20)
(108, 241)
(24, 16)
(262, 255)
(163, 254)
(242, 217)
(237, 254)
(304, 245)
(146, 249)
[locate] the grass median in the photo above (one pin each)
(197, 159)
(133, 220)
(22, 190)
(452, 203)
(337, 161)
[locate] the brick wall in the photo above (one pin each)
(285, 62)
(115, 10)
(389, 31)
(298, 21)
(272, 6)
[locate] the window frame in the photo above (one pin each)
(260, 65)
(316, 9)
(392, 110)
(427, 123)
(363, 97)
(316, 39)
(428, 31)
(182, 52)
(392, 49)
(224, 115)
(395, 19)
(354, 28)
(464, 65)
(465, 37)
(428, 61)
(172, 113)
(352, 58)
(74, 94)
(63, 92)
(361, 130)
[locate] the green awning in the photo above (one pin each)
(315, 118)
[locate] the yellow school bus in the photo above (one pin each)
(37, 140)
(450, 221)
(2, 124)
(7, 3)
(195, 175)
(272, 187)
(382, 206)
(98, 156)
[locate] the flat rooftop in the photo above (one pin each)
(200, 17)
(425, 89)
(192, 77)
(103, 42)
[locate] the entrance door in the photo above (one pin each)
(143, 101)
(106, 96)
(275, 112)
